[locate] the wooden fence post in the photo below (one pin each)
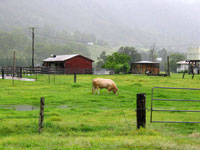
(54, 79)
(168, 67)
(20, 72)
(30, 71)
(192, 68)
(141, 110)
(35, 76)
(2, 73)
(193, 75)
(74, 77)
(41, 115)
(49, 77)
(183, 74)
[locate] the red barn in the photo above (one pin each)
(70, 63)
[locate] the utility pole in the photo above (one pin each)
(168, 67)
(14, 61)
(33, 49)
(14, 65)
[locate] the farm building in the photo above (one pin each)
(192, 64)
(144, 67)
(69, 63)
(182, 66)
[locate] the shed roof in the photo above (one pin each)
(62, 58)
(146, 62)
(182, 63)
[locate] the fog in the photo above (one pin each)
(139, 23)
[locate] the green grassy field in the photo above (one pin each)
(75, 119)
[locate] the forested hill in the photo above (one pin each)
(47, 42)
(134, 22)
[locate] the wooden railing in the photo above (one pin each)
(18, 71)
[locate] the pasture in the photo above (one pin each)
(75, 119)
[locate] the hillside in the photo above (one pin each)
(96, 50)
(137, 22)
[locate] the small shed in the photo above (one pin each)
(69, 63)
(182, 66)
(145, 67)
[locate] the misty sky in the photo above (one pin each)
(133, 22)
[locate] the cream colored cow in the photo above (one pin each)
(100, 83)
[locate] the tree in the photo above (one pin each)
(152, 54)
(130, 51)
(119, 62)
(174, 58)
(163, 54)
(101, 59)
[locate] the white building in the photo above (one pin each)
(182, 66)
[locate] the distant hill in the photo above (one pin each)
(120, 22)
(96, 50)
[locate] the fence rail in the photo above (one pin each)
(18, 71)
(158, 99)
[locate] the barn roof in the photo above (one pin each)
(62, 58)
(146, 62)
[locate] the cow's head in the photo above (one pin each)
(115, 90)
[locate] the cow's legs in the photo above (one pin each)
(93, 90)
(109, 89)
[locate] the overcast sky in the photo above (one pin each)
(117, 21)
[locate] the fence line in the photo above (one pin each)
(18, 71)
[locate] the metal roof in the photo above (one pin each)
(182, 63)
(61, 58)
(146, 62)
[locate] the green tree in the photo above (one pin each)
(119, 62)
(132, 52)
(101, 59)
(174, 58)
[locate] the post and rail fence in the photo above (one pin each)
(20, 71)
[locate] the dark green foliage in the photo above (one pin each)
(118, 61)
(132, 52)
(174, 58)
(101, 59)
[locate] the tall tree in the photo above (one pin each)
(174, 58)
(132, 52)
(119, 62)
(101, 59)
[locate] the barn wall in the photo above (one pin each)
(78, 64)
(143, 68)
